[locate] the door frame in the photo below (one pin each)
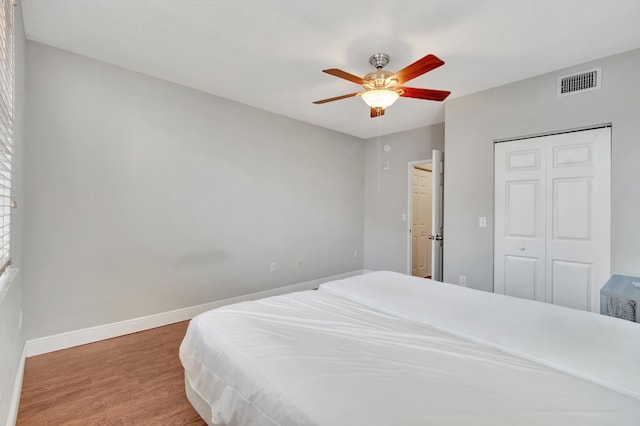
(410, 166)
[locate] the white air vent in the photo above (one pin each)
(583, 81)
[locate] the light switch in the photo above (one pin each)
(482, 222)
(386, 166)
(404, 217)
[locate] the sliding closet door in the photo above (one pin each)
(552, 217)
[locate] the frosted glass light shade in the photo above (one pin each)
(380, 98)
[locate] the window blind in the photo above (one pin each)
(6, 129)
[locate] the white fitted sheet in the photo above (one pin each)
(319, 358)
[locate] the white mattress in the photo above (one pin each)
(379, 349)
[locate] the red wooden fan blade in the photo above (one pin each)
(377, 112)
(429, 94)
(343, 74)
(417, 68)
(337, 98)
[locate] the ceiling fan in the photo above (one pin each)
(382, 88)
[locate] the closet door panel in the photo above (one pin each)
(519, 217)
(571, 284)
(521, 276)
(572, 209)
(578, 217)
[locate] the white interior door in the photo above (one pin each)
(552, 218)
(436, 215)
(421, 223)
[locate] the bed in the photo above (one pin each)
(384, 348)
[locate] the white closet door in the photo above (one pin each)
(519, 262)
(552, 218)
(578, 217)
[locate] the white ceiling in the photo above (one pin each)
(270, 53)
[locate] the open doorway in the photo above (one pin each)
(420, 218)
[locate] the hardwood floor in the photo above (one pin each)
(135, 379)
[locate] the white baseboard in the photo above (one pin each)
(17, 390)
(107, 331)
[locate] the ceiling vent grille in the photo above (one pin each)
(583, 81)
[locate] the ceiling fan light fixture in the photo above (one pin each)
(382, 88)
(380, 98)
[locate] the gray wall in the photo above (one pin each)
(11, 336)
(386, 193)
(530, 107)
(143, 196)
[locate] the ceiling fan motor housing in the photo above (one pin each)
(379, 60)
(379, 79)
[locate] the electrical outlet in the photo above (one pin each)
(273, 266)
(299, 264)
(463, 281)
(355, 254)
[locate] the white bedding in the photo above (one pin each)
(599, 348)
(379, 349)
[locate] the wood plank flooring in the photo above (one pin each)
(135, 379)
